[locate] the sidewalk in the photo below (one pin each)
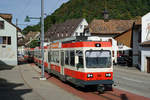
(23, 84)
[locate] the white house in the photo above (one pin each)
(8, 42)
(145, 45)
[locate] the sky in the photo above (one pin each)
(22, 8)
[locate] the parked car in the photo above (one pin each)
(121, 61)
(124, 60)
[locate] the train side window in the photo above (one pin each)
(72, 58)
(79, 53)
(49, 56)
(67, 57)
(52, 58)
(57, 56)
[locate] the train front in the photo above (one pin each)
(98, 67)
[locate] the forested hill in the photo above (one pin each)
(90, 9)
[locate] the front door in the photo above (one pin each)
(62, 63)
(148, 64)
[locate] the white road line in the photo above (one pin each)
(126, 78)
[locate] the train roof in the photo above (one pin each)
(84, 41)
(82, 38)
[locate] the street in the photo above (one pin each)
(22, 83)
(132, 80)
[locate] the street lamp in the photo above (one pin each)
(27, 19)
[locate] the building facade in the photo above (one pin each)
(8, 42)
(145, 45)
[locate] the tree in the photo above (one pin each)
(34, 44)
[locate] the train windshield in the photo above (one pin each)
(98, 59)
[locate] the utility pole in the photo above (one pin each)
(27, 19)
(17, 37)
(42, 40)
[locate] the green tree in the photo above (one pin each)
(90, 9)
(34, 44)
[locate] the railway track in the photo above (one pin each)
(111, 96)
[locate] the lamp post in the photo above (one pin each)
(27, 19)
(42, 39)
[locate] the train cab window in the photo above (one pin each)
(72, 58)
(67, 57)
(98, 59)
(79, 53)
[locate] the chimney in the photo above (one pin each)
(106, 15)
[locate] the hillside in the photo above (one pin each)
(90, 9)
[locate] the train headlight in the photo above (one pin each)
(108, 74)
(89, 75)
(97, 45)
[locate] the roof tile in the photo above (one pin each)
(110, 27)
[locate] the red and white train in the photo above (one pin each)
(83, 61)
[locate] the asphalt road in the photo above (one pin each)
(132, 80)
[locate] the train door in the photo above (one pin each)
(62, 62)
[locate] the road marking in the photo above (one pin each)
(131, 79)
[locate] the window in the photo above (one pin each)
(76, 33)
(80, 55)
(57, 35)
(1, 24)
(57, 56)
(80, 26)
(1, 40)
(72, 58)
(9, 40)
(52, 56)
(67, 57)
(49, 56)
(5, 40)
(112, 53)
(81, 34)
(85, 26)
(98, 59)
